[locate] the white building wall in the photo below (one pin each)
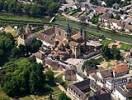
(118, 96)
(100, 84)
(109, 85)
(20, 41)
(79, 78)
(39, 61)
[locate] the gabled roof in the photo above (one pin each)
(47, 36)
(121, 68)
(106, 73)
(81, 87)
(129, 86)
(125, 92)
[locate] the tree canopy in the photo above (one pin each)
(22, 76)
(9, 49)
(63, 96)
(90, 64)
(7, 43)
(50, 77)
(34, 8)
(111, 53)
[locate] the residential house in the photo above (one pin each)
(120, 70)
(101, 94)
(123, 92)
(114, 82)
(80, 90)
(111, 77)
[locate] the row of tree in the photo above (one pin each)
(36, 8)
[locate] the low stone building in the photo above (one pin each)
(70, 75)
(80, 90)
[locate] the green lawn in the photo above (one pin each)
(106, 42)
(125, 46)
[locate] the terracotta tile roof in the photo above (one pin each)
(77, 36)
(120, 68)
(129, 86)
(73, 43)
(60, 34)
(47, 36)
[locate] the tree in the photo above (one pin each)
(7, 43)
(90, 64)
(111, 53)
(37, 8)
(95, 19)
(116, 53)
(50, 77)
(22, 77)
(15, 52)
(36, 79)
(106, 52)
(34, 45)
(63, 96)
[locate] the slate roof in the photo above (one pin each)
(106, 73)
(125, 92)
(81, 87)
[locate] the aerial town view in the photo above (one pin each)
(65, 49)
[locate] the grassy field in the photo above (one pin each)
(91, 30)
(56, 92)
(125, 46)
(6, 18)
(106, 42)
(26, 98)
(3, 96)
